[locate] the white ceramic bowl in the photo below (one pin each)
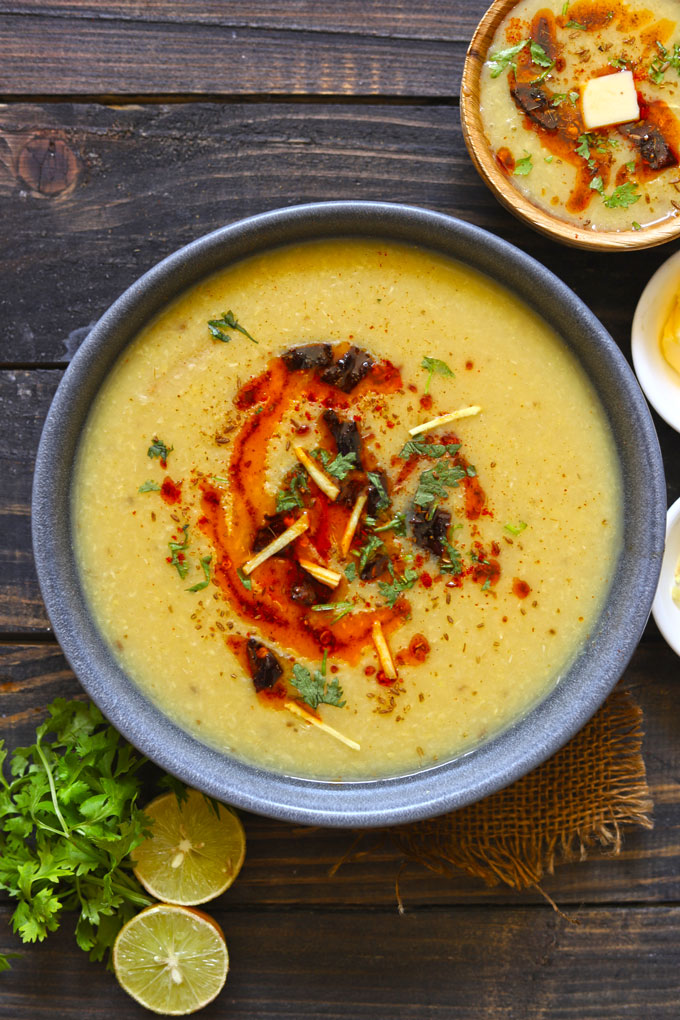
(660, 382)
(665, 611)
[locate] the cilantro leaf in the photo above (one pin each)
(217, 327)
(177, 553)
(290, 497)
(159, 449)
(205, 564)
(366, 552)
(539, 56)
(623, 196)
(501, 60)
(515, 529)
(149, 486)
(397, 525)
(391, 592)
(351, 572)
(245, 581)
(421, 448)
(433, 365)
(523, 166)
(433, 483)
(341, 466)
(314, 689)
(341, 608)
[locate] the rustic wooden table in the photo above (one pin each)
(126, 130)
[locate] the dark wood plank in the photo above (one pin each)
(288, 865)
(114, 190)
(450, 20)
(464, 963)
(75, 57)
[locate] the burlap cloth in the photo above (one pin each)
(577, 803)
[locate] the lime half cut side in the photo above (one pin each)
(194, 853)
(173, 960)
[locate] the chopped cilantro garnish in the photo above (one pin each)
(245, 581)
(217, 327)
(177, 550)
(351, 572)
(339, 467)
(576, 24)
(523, 166)
(149, 486)
(450, 562)
(583, 147)
(471, 471)
(515, 529)
(159, 449)
(565, 8)
(539, 56)
(290, 498)
(205, 565)
(573, 98)
(219, 480)
(433, 483)
(419, 448)
(433, 365)
(630, 167)
(397, 525)
(623, 196)
(664, 60)
(501, 60)
(383, 499)
(316, 690)
(340, 608)
(367, 550)
(597, 185)
(620, 62)
(559, 98)
(391, 592)
(548, 159)
(635, 225)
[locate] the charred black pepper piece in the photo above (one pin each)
(536, 103)
(650, 143)
(274, 525)
(430, 532)
(376, 495)
(374, 568)
(308, 356)
(264, 666)
(349, 370)
(345, 434)
(305, 593)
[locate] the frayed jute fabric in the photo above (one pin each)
(577, 803)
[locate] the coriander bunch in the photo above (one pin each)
(68, 821)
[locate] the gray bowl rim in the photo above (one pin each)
(446, 786)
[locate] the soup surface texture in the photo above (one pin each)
(619, 176)
(470, 559)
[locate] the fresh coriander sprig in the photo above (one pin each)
(69, 822)
(433, 365)
(177, 549)
(218, 327)
(205, 565)
(159, 449)
(314, 689)
(391, 592)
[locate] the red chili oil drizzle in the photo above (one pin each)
(171, 492)
(520, 588)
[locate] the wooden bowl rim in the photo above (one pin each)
(510, 196)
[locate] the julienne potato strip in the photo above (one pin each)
(315, 472)
(352, 523)
(298, 710)
(284, 539)
(382, 648)
(331, 578)
(444, 419)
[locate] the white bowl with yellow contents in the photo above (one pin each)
(666, 607)
(656, 341)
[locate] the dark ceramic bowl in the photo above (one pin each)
(449, 785)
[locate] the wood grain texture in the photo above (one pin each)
(152, 178)
(449, 20)
(291, 865)
(462, 963)
(76, 56)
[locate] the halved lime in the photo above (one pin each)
(171, 959)
(194, 853)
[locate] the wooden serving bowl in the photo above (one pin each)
(491, 172)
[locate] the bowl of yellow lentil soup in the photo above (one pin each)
(338, 515)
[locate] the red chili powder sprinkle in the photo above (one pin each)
(520, 588)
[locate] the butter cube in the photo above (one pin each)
(608, 100)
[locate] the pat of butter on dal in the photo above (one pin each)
(608, 100)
